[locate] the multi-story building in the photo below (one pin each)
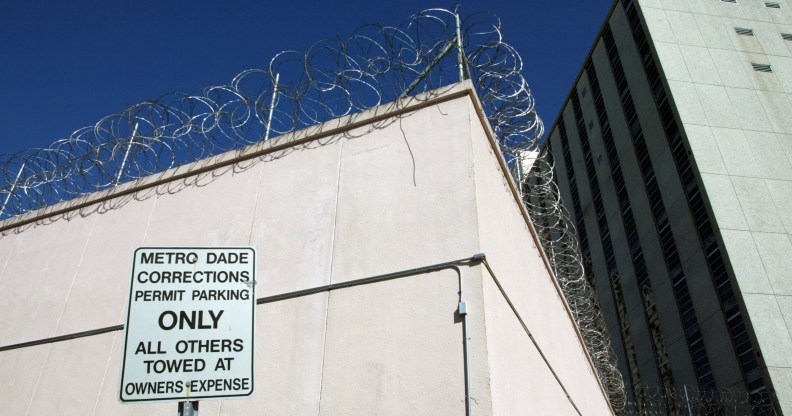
(673, 154)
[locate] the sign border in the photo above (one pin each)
(252, 337)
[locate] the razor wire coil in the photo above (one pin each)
(653, 400)
(559, 241)
(331, 79)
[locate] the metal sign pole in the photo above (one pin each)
(11, 191)
(160, 348)
(464, 71)
(123, 163)
(188, 408)
(460, 48)
(272, 106)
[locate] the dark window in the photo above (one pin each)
(743, 31)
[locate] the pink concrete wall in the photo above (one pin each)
(390, 195)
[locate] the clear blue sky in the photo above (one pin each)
(66, 64)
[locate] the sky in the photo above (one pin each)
(66, 64)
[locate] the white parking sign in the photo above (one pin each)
(190, 324)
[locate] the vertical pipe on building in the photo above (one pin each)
(126, 155)
(272, 106)
(467, 364)
(11, 191)
(462, 310)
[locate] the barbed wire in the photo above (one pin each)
(332, 78)
(558, 237)
(692, 401)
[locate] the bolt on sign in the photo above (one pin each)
(190, 324)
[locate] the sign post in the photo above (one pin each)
(188, 408)
(190, 325)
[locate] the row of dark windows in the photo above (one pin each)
(650, 312)
(634, 379)
(759, 67)
(596, 194)
(576, 207)
(662, 225)
(616, 291)
(631, 231)
(704, 226)
(768, 4)
(744, 31)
